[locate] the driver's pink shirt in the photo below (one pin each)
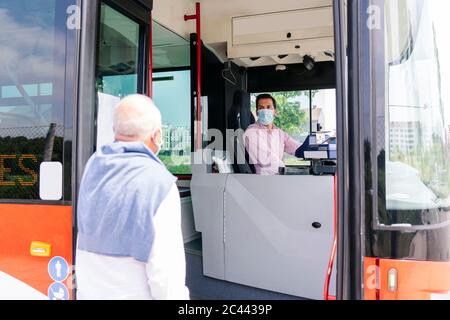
(266, 148)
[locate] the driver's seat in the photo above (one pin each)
(240, 117)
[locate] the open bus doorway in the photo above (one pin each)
(266, 236)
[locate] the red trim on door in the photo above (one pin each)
(334, 248)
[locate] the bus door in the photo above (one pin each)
(37, 77)
(114, 62)
(401, 71)
(120, 64)
(257, 230)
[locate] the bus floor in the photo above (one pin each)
(205, 288)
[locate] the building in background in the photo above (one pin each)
(177, 140)
(404, 136)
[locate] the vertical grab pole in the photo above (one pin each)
(198, 119)
(150, 59)
(199, 76)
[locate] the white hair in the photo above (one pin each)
(136, 116)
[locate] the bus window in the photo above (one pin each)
(293, 112)
(301, 112)
(171, 93)
(415, 177)
(117, 67)
(34, 110)
(323, 111)
(118, 55)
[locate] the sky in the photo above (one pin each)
(173, 98)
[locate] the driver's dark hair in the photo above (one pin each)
(266, 96)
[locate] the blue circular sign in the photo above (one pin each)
(58, 269)
(58, 291)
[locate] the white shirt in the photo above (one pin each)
(163, 277)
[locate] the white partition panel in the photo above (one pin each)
(270, 241)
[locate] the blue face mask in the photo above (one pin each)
(266, 116)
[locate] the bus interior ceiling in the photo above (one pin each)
(251, 47)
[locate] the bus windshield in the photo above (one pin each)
(417, 113)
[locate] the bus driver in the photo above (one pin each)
(265, 143)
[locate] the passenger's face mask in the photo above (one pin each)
(159, 143)
(266, 116)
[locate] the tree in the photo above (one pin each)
(291, 117)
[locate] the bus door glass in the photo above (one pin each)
(37, 76)
(412, 221)
(120, 60)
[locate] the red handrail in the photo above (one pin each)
(198, 119)
(333, 250)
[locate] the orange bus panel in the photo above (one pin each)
(416, 280)
(20, 225)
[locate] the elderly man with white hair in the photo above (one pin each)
(130, 244)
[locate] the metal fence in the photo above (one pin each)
(30, 132)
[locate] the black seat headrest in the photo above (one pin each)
(240, 115)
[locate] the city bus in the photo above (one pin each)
(371, 222)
